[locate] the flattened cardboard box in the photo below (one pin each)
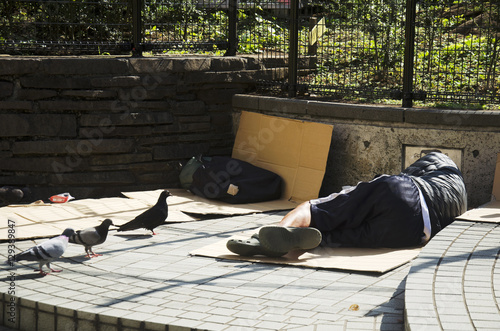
(489, 212)
(343, 258)
(295, 150)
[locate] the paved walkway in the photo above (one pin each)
(148, 282)
(454, 284)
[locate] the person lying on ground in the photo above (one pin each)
(394, 211)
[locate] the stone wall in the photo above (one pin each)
(368, 140)
(97, 126)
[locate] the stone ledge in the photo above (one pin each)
(447, 117)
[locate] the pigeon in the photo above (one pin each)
(47, 251)
(91, 237)
(151, 218)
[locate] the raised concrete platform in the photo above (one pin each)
(454, 284)
(148, 282)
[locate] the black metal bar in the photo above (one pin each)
(409, 58)
(232, 28)
(137, 6)
(293, 52)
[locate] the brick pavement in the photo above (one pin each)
(148, 282)
(454, 284)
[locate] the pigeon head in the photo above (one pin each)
(164, 195)
(68, 232)
(107, 222)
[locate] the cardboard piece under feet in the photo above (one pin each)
(296, 150)
(353, 259)
(490, 211)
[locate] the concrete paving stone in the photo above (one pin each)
(299, 291)
(377, 289)
(425, 323)
(479, 324)
(146, 308)
(244, 323)
(185, 323)
(280, 318)
(223, 284)
(420, 300)
(419, 287)
(211, 326)
(193, 315)
(281, 296)
(172, 312)
(222, 311)
(422, 312)
(295, 311)
(489, 309)
(361, 324)
(73, 305)
(245, 292)
(309, 308)
(245, 314)
(471, 290)
(270, 325)
(248, 307)
(298, 320)
(485, 297)
(457, 326)
(493, 316)
(218, 319)
(453, 314)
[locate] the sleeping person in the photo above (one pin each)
(395, 211)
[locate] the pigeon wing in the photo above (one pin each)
(48, 250)
(156, 218)
(86, 237)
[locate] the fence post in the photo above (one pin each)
(136, 28)
(232, 28)
(409, 58)
(293, 51)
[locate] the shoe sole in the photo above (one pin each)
(281, 239)
(250, 247)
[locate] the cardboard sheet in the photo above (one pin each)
(489, 212)
(186, 202)
(295, 150)
(47, 220)
(353, 259)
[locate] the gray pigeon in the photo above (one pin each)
(91, 237)
(151, 218)
(47, 251)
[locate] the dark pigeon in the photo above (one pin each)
(90, 237)
(47, 251)
(151, 218)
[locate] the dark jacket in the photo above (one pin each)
(443, 187)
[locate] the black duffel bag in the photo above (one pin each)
(235, 181)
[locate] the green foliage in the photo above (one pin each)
(359, 53)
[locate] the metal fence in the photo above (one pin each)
(359, 50)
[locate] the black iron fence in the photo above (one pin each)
(360, 50)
